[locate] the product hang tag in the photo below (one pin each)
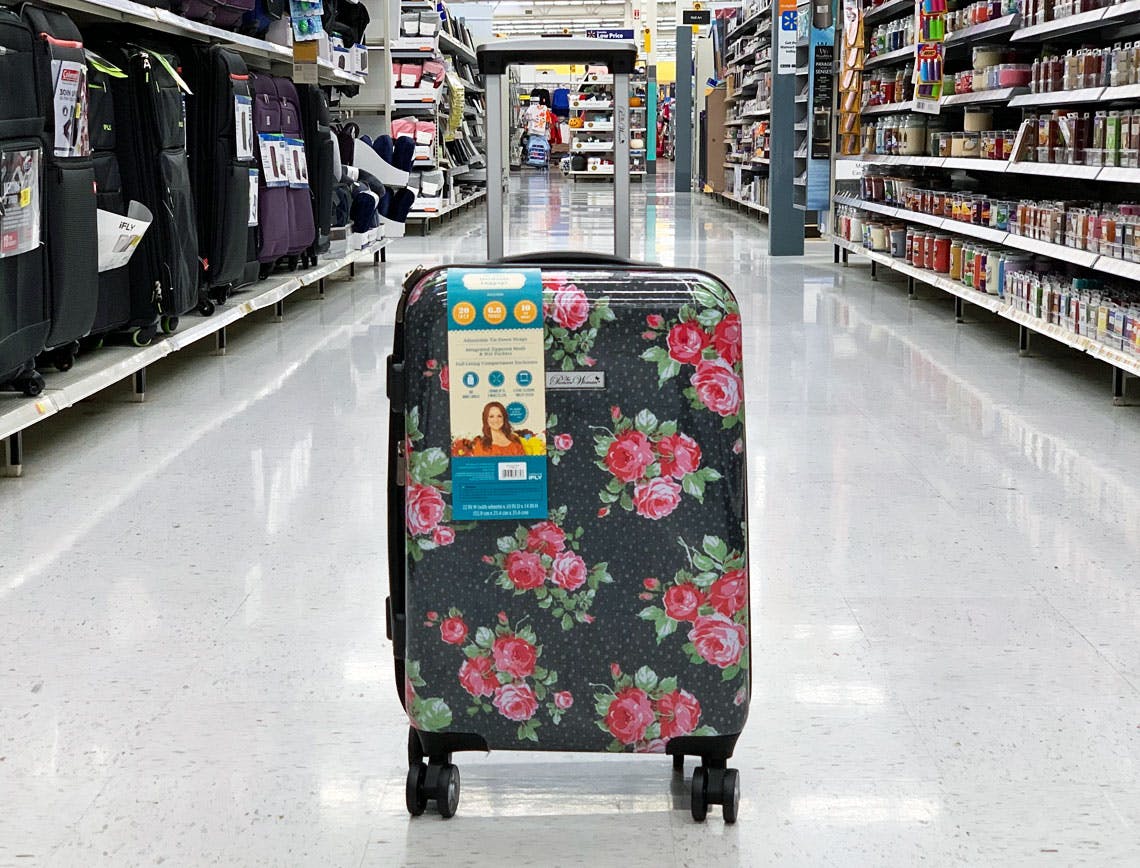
(254, 190)
(19, 201)
(243, 126)
(69, 101)
(103, 65)
(497, 394)
(178, 80)
(274, 159)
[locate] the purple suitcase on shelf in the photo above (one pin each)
(285, 213)
(226, 14)
(580, 581)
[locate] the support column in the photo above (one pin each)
(279, 311)
(683, 118)
(138, 386)
(321, 288)
(1023, 340)
(1119, 387)
(959, 309)
(13, 464)
(785, 220)
(220, 342)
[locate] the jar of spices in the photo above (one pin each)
(941, 262)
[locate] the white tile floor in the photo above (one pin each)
(945, 536)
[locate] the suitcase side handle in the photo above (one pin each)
(495, 57)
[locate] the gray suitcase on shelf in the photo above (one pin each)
(567, 518)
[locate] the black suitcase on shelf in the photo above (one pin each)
(567, 519)
(25, 317)
(222, 163)
(114, 307)
(70, 225)
(151, 138)
(317, 126)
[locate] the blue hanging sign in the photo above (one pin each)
(610, 34)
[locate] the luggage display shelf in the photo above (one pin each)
(259, 53)
(435, 212)
(109, 365)
(1122, 363)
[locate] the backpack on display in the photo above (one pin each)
(226, 14)
(25, 318)
(264, 13)
(224, 170)
(151, 143)
(113, 310)
(71, 225)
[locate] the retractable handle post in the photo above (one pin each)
(494, 58)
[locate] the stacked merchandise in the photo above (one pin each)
(592, 125)
(748, 47)
(1030, 93)
(147, 177)
(437, 103)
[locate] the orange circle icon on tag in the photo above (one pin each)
(526, 311)
(463, 313)
(494, 312)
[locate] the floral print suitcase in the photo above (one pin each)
(620, 622)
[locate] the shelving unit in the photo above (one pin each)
(748, 88)
(1114, 278)
(99, 371)
(460, 154)
(591, 101)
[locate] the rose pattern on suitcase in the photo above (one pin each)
(502, 672)
(677, 471)
(642, 712)
(543, 560)
(428, 714)
(652, 457)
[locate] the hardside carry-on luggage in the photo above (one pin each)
(70, 223)
(319, 145)
(285, 210)
(113, 310)
(567, 511)
(25, 318)
(223, 170)
(151, 138)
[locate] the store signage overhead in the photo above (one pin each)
(696, 16)
(610, 34)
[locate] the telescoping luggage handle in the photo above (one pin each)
(494, 58)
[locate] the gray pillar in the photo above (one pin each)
(683, 113)
(785, 221)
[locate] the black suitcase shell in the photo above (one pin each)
(25, 318)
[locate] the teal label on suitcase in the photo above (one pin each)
(497, 394)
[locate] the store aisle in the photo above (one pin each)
(944, 543)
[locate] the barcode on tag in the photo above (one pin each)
(512, 470)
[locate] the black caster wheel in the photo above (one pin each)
(264, 271)
(415, 749)
(730, 794)
(169, 325)
(699, 804)
(206, 307)
(31, 384)
(414, 793)
(679, 762)
(447, 791)
(64, 361)
(141, 337)
(293, 263)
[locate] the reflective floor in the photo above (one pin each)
(945, 542)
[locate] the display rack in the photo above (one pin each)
(458, 147)
(592, 102)
(748, 88)
(112, 364)
(1078, 253)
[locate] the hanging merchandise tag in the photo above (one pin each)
(72, 138)
(298, 168)
(120, 235)
(254, 189)
(497, 393)
(243, 126)
(274, 162)
(19, 201)
(172, 72)
(103, 65)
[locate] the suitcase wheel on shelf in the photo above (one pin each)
(206, 307)
(63, 358)
(169, 325)
(31, 383)
(294, 261)
(715, 786)
(143, 337)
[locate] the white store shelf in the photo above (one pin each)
(431, 211)
(754, 206)
(1003, 94)
(592, 147)
(451, 45)
(897, 56)
(989, 29)
(99, 369)
(888, 108)
(993, 303)
(888, 10)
